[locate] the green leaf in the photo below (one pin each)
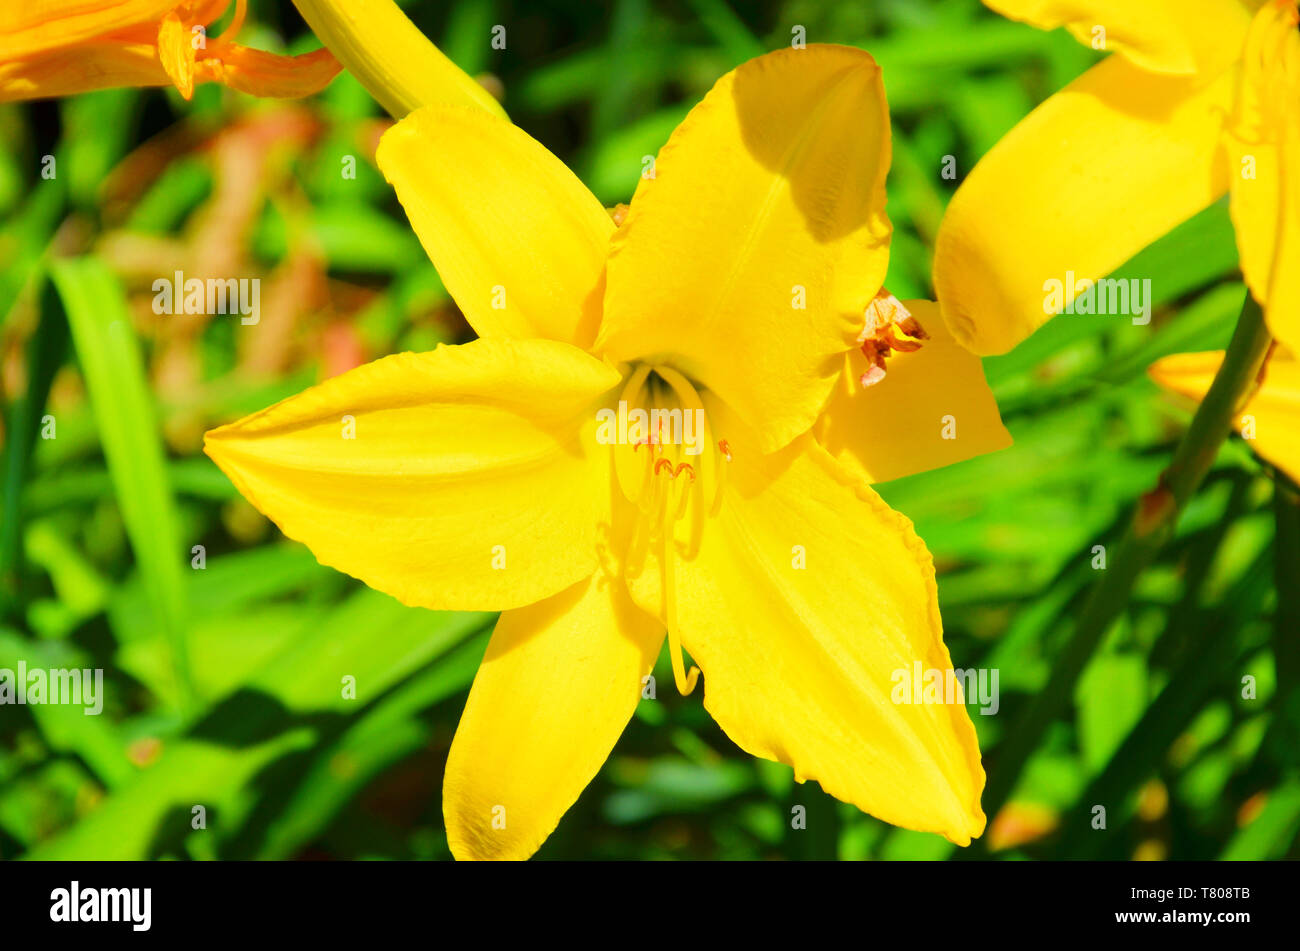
(45, 353)
(1271, 833)
(114, 373)
(288, 704)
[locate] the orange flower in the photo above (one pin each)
(62, 47)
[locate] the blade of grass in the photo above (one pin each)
(378, 739)
(1286, 569)
(1273, 830)
(115, 379)
(1212, 650)
(45, 352)
(728, 30)
(290, 704)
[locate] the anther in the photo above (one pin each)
(887, 326)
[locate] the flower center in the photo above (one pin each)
(672, 468)
(666, 457)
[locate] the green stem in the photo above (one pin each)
(1286, 620)
(1152, 525)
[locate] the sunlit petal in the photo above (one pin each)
(559, 682)
(807, 601)
(452, 479)
(519, 242)
(1093, 175)
(1263, 144)
(1170, 36)
(751, 253)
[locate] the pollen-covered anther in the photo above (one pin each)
(887, 326)
(724, 449)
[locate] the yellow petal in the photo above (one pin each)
(1282, 314)
(932, 409)
(453, 479)
(808, 599)
(748, 259)
(1263, 145)
(558, 684)
(1169, 36)
(519, 242)
(1270, 422)
(391, 57)
(86, 69)
(1088, 179)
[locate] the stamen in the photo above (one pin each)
(685, 681)
(721, 477)
(665, 502)
(684, 496)
(636, 486)
(874, 374)
(634, 383)
(887, 326)
(690, 401)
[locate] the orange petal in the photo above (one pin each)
(92, 67)
(270, 75)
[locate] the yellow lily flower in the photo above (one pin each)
(1270, 420)
(1199, 99)
(63, 47)
(490, 476)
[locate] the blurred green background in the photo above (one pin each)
(99, 524)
